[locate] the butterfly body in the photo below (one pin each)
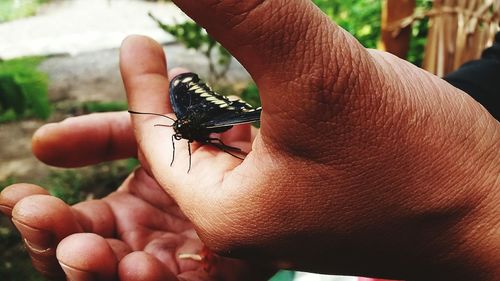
(192, 130)
(200, 112)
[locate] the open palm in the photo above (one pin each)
(135, 233)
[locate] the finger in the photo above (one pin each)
(198, 275)
(85, 140)
(177, 71)
(95, 216)
(163, 249)
(143, 68)
(138, 228)
(49, 216)
(143, 186)
(141, 266)
(43, 221)
(86, 257)
(253, 133)
(14, 193)
(120, 248)
(144, 73)
(190, 255)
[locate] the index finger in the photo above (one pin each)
(67, 143)
(146, 82)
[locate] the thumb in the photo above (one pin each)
(293, 52)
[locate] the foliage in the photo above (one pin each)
(76, 185)
(12, 9)
(7, 182)
(23, 89)
(96, 106)
(361, 18)
(15, 263)
(195, 37)
(251, 95)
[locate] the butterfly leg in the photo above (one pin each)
(222, 144)
(224, 147)
(173, 150)
(163, 125)
(189, 150)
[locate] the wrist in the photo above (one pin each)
(472, 242)
(480, 229)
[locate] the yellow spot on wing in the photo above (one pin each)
(233, 98)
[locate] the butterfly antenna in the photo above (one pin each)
(149, 113)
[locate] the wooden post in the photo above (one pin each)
(392, 12)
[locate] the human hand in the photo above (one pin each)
(364, 165)
(135, 233)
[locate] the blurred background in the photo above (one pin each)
(59, 58)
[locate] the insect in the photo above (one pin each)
(200, 112)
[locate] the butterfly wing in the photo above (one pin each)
(192, 98)
(234, 118)
(181, 98)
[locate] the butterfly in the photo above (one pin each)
(200, 111)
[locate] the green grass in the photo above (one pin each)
(96, 106)
(75, 185)
(23, 89)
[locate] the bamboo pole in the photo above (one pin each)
(459, 30)
(393, 11)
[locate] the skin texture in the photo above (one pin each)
(364, 164)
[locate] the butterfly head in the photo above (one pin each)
(183, 129)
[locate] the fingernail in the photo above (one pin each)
(77, 274)
(36, 239)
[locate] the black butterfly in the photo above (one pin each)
(200, 112)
